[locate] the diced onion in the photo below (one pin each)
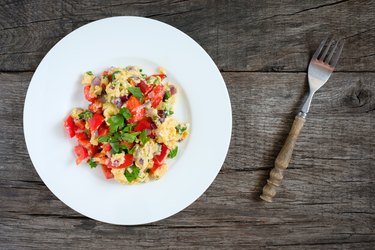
(173, 90)
(96, 81)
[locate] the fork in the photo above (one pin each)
(320, 69)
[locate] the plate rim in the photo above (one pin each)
(229, 115)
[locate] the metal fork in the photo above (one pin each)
(321, 66)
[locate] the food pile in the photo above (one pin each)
(128, 128)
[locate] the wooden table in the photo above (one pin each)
(262, 49)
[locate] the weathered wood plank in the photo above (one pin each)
(28, 29)
(326, 199)
(239, 35)
(282, 36)
(225, 216)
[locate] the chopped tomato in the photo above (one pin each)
(142, 125)
(159, 159)
(83, 139)
(155, 167)
(92, 150)
(162, 76)
(96, 106)
(107, 172)
(156, 95)
(132, 82)
(95, 121)
(128, 161)
(137, 115)
(103, 130)
(144, 87)
(105, 73)
(86, 91)
(106, 147)
(81, 153)
(70, 126)
(133, 104)
(101, 158)
(80, 124)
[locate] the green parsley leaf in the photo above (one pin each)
(125, 113)
(140, 70)
(167, 95)
(131, 151)
(128, 128)
(89, 73)
(115, 137)
(116, 122)
(115, 147)
(105, 77)
(144, 75)
(168, 112)
(131, 173)
(144, 137)
(129, 137)
(156, 80)
(92, 163)
(124, 147)
(173, 153)
(136, 91)
(180, 129)
(103, 139)
(85, 115)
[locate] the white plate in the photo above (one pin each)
(202, 101)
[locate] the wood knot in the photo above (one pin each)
(361, 98)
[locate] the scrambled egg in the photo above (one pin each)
(159, 172)
(75, 113)
(168, 104)
(121, 81)
(120, 158)
(109, 109)
(104, 81)
(116, 89)
(95, 91)
(94, 140)
(119, 175)
(143, 155)
(143, 160)
(87, 78)
(162, 70)
(167, 133)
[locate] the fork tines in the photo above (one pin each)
(334, 47)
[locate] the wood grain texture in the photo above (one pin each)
(326, 199)
(239, 35)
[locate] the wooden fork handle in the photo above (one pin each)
(282, 160)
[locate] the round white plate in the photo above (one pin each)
(202, 101)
